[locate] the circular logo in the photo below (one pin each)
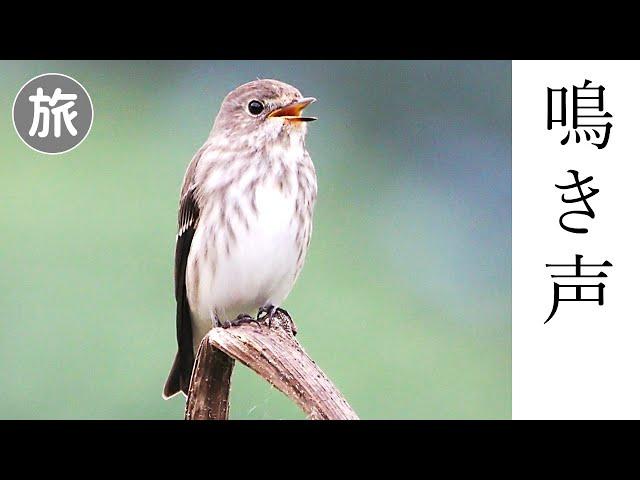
(52, 113)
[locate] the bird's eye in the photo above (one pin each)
(255, 107)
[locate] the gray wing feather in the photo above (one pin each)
(188, 216)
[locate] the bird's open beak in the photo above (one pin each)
(293, 111)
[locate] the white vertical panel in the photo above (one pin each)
(584, 363)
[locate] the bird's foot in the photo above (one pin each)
(270, 313)
(241, 319)
(266, 314)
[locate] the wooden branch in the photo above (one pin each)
(274, 354)
(210, 385)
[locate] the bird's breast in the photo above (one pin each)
(249, 248)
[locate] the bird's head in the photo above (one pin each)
(262, 111)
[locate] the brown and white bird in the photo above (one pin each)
(245, 217)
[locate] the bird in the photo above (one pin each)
(245, 217)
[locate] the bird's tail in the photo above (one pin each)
(174, 383)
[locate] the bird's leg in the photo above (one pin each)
(270, 312)
(265, 314)
(240, 320)
(262, 313)
(215, 320)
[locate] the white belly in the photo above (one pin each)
(258, 268)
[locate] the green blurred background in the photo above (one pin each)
(405, 299)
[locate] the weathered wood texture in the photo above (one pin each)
(273, 353)
(210, 385)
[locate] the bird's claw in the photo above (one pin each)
(240, 320)
(267, 314)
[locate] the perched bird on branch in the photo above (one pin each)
(245, 217)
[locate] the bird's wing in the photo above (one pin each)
(188, 216)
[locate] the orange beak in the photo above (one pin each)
(293, 111)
